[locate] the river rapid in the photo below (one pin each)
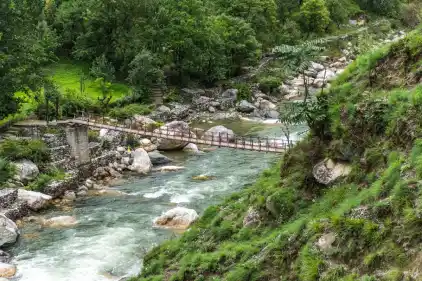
(114, 232)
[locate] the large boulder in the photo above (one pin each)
(141, 162)
(325, 242)
(143, 122)
(34, 200)
(245, 106)
(251, 218)
(191, 147)
(228, 98)
(327, 75)
(26, 170)
(218, 133)
(176, 129)
(265, 105)
(177, 218)
(157, 158)
(9, 232)
(179, 111)
(327, 171)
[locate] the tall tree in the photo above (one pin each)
(26, 43)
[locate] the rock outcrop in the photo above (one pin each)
(141, 162)
(26, 170)
(175, 128)
(327, 171)
(9, 232)
(245, 106)
(191, 148)
(35, 200)
(177, 218)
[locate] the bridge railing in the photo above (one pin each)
(197, 136)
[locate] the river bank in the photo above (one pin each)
(114, 232)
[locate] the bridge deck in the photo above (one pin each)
(220, 140)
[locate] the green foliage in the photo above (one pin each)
(244, 91)
(314, 16)
(34, 150)
(129, 111)
(45, 179)
(269, 85)
(382, 7)
(7, 170)
(93, 136)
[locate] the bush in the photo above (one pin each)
(244, 93)
(269, 85)
(7, 170)
(72, 104)
(34, 150)
(93, 136)
(130, 110)
(411, 14)
(46, 178)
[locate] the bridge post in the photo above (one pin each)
(77, 137)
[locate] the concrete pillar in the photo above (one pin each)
(77, 138)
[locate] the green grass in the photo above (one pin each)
(67, 75)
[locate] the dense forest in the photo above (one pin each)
(161, 42)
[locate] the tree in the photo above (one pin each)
(314, 16)
(312, 111)
(26, 43)
(145, 71)
(103, 71)
(381, 7)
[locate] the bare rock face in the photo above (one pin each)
(325, 242)
(158, 159)
(191, 148)
(34, 200)
(141, 162)
(26, 170)
(176, 129)
(177, 218)
(251, 218)
(327, 171)
(8, 231)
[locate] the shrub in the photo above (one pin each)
(411, 14)
(244, 93)
(34, 150)
(46, 178)
(130, 110)
(7, 170)
(93, 136)
(72, 104)
(269, 84)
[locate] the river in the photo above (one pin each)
(114, 232)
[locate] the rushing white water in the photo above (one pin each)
(114, 233)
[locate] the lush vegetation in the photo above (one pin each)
(34, 150)
(104, 45)
(373, 124)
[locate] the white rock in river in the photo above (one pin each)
(141, 162)
(9, 232)
(7, 270)
(191, 147)
(174, 129)
(170, 168)
(177, 218)
(26, 170)
(34, 200)
(218, 133)
(61, 221)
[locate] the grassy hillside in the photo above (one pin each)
(373, 217)
(67, 75)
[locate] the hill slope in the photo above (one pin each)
(365, 226)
